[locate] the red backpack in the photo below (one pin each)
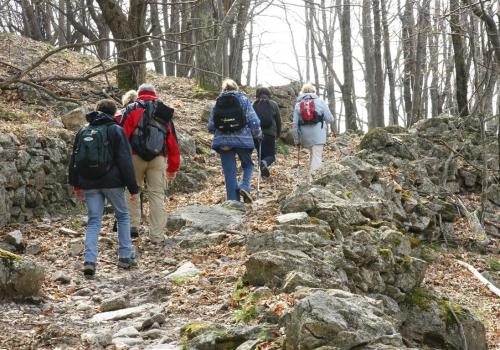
(308, 114)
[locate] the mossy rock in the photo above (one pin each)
(376, 139)
(420, 297)
(205, 94)
(194, 329)
(395, 129)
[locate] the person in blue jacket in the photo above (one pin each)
(236, 143)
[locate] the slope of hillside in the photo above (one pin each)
(363, 230)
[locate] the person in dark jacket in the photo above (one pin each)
(267, 109)
(110, 186)
(239, 143)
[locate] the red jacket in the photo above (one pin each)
(173, 154)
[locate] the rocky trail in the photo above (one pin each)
(366, 256)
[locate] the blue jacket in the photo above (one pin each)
(242, 138)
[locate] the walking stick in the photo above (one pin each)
(258, 177)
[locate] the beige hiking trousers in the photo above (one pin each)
(315, 160)
(153, 172)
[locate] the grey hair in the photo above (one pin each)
(146, 87)
(129, 97)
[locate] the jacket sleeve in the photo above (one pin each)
(327, 115)
(123, 159)
(211, 126)
(174, 154)
(73, 177)
(295, 124)
(253, 120)
(130, 120)
(277, 119)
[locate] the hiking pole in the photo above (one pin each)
(258, 177)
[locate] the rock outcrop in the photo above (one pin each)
(20, 277)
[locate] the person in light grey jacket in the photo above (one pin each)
(311, 118)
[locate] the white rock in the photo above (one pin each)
(125, 343)
(294, 218)
(84, 306)
(67, 231)
(102, 338)
(76, 247)
(122, 314)
(127, 332)
(164, 347)
(186, 270)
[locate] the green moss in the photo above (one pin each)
(395, 129)
(414, 242)
(184, 344)
(8, 257)
(247, 313)
(493, 264)
(407, 260)
(347, 194)
(13, 116)
(194, 329)
(446, 313)
(180, 280)
(420, 297)
(374, 138)
(205, 93)
(385, 252)
(406, 196)
(376, 223)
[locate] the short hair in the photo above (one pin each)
(308, 88)
(106, 106)
(146, 87)
(129, 97)
(262, 91)
(229, 84)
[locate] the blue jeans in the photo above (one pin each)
(95, 206)
(228, 160)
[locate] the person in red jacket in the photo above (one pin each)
(152, 171)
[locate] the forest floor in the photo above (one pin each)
(61, 314)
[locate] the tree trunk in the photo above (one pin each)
(236, 58)
(347, 87)
(250, 54)
(461, 75)
(393, 109)
(366, 26)
(379, 83)
(129, 75)
(155, 45)
(409, 57)
(186, 36)
(312, 11)
(436, 105)
(204, 50)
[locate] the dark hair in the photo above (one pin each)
(106, 106)
(262, 91)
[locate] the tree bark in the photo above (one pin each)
(379, 84)
(155, 45)
(347, 87)
(393, 109)
(366, 25)
(461, 75)
(409, 58)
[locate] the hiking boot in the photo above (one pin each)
(88, 268)
(134, 232)
(127, 263)
(264, 170)
(247, 198)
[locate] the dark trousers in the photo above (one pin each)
(268, 149)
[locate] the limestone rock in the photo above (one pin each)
(115, 303)
(293, 218)
(101, 338)
(74, 119)
(429, 320)
(340, 320)
(121, 314)
(186, 271)
(128, 332)
(203, 218)
(15, 238)
(20, 278)
(62, 276)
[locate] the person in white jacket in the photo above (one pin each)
(311, 118)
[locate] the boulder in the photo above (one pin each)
(115, 303)
(15, 238)
(19, 277)
(293, 218)
(185, 272)
(205, 113)
(75, 119)
(337, 319)
(204, 218)
(121, 314)
(436, 322)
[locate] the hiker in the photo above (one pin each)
(235, 125)
(128, 98)
(270, 122)
(97, 172)
(310, 118)
(151, 133)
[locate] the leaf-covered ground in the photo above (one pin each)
(59, 317)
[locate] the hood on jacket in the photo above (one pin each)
(97, 118)
(307, 95)
(147, 96)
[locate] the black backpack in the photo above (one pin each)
(148, 139)
(92, 157)
(228, 114)
(265, 112)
